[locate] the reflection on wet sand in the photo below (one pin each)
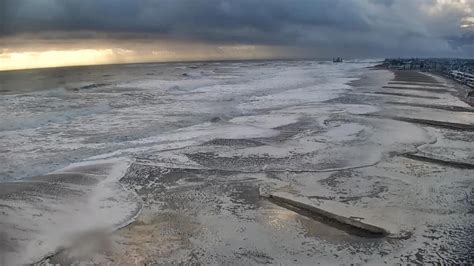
(201, 147)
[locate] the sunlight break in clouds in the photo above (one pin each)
(46, 33)
(467, 22)
(19, 60)
(12, 60)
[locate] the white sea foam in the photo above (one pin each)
(41, 216)
(49, 130)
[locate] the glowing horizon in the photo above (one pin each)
(18, 60)
(44, 33)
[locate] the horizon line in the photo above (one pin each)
(223, 60)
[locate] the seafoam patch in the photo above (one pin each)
(267, 120)
(39, 217)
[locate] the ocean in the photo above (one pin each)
(54, 117)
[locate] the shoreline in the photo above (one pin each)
(133, 230)
(201, 203)
(57, 208)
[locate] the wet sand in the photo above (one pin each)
(46, 213)
(404, 156)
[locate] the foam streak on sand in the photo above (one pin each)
(123, 112)
(53, 211)
(200, 146)
(44, 130)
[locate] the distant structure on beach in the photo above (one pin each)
(463, 77)
(337, 60)
(461, 70)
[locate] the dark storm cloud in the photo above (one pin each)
(196, 18)
(465, 42)
(382, 2)
(364, 25)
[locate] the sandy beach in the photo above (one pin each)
(394, 147)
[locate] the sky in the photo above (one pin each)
(49, 33)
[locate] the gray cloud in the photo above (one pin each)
(352, 27)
